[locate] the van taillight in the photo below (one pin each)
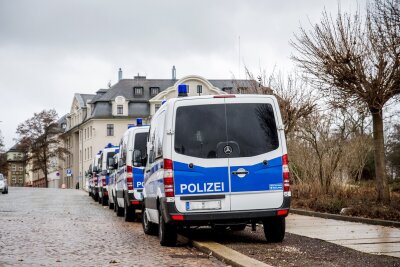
(129, 177)
(286, 176)
(168, 178)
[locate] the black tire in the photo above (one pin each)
(104, 201)
(129, 213)
(238, 227)
(4, 192)
(166, 232)
(110, 205)
(274, 229)
(149, 228)
(120, 211)
(115, 205)
(96, 197)
(90, 193)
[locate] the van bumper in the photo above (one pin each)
(218, 217)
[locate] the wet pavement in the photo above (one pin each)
(65, 227)
(373, 239)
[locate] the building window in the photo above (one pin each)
(110, 129)
(138, 91)
(14, 179)
(21, 180)
(21, 169)
(120, 109)
(14, 167)
(157, 106)
(227, 89)
(90, 132)
(242, 90)
(154, 91)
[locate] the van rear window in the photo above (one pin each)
(204, 131)
(140, 142)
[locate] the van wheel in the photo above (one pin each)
(274, 229)
(90, 194)
(166, 232)
(120, 211)
(149, 228)
(115, 204)
(129, 213)
(104, 201)
(110, 205)
(96, 197)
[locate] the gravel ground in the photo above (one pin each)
(295, 250)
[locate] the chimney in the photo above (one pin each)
(120, 74)
(173, 73)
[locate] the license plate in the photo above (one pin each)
(203, 205)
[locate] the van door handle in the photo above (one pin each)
(240, 172)
(147, 171)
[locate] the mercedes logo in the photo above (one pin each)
(228, 150)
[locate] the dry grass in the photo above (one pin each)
(361, 199)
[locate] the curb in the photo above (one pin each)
(225, 254)
(346, 218)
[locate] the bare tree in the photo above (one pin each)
(296, 99)
(357, 63)
(39, 136)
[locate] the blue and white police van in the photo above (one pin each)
(216, 160)
(112, 180)
(94, 179)
(105, 162)
(132, 158)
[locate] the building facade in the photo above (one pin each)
(16, 167)
(96, 120)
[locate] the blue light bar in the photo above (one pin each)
(182, 90)
(139, 121)
(109, 145)
(163, 102)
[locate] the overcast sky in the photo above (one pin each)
(51, 49)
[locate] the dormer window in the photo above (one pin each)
(154, 91)
(227, 90)
(138, 91)
(120, 109)
(242, 90)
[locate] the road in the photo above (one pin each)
(65, 227)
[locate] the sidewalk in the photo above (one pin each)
(380, 240)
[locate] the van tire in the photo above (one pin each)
(115, 204)
(166, 232)
(129, 213)
(274, 229)
(104, 201)
(120, 211)
(110, 205)
(149, 228)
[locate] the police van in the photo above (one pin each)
(112, 180)
(94, 179)
(216, 160)
(132, 159)
(106, 160)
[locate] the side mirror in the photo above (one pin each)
(95, 169)
(137, 158)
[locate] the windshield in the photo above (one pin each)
(1, 177)
(140, 142)
(110, 155)
(205, 130)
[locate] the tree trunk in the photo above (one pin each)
(379, 155)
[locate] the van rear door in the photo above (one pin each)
(201, 174)
(255, 159)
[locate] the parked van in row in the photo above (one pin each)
(106, 160)
(112, 181)
(132, 159)
(94, 177)
(216, 160)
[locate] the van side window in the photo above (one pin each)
(156, 137)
